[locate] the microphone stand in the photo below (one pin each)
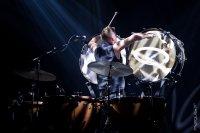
(35, 85)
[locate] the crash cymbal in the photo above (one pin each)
(33, 75)
(115, 68)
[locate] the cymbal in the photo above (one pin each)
(43, 75)
(115, 68)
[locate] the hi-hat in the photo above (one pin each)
(107, 68)
(33, 75)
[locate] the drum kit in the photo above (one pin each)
(150, 60)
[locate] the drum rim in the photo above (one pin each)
(151, 29)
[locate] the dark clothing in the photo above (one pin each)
(105, 52)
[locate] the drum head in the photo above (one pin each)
(87, 56)
(152, 59)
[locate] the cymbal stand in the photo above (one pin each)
(107, 103)
(152, 117)
(37, 69)
(35, 87)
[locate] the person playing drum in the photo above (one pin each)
(107, 47)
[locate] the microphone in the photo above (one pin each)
(74, 38)
(79, 38)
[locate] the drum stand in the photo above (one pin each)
(108, 69)
(107, 108)
(151, 101)
(35, 87)
(35, 84)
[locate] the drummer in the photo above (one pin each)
(107, 47)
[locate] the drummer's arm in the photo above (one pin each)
(129, 40)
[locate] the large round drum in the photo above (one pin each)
(87, 56)
(154, 58)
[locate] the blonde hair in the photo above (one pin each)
(106, 32)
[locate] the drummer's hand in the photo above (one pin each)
(136, 36)
(139, 36)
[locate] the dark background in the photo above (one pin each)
(31, 28)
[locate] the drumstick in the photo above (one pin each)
(112, 18)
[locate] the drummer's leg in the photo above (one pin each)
(119, 86)
(102, 82)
